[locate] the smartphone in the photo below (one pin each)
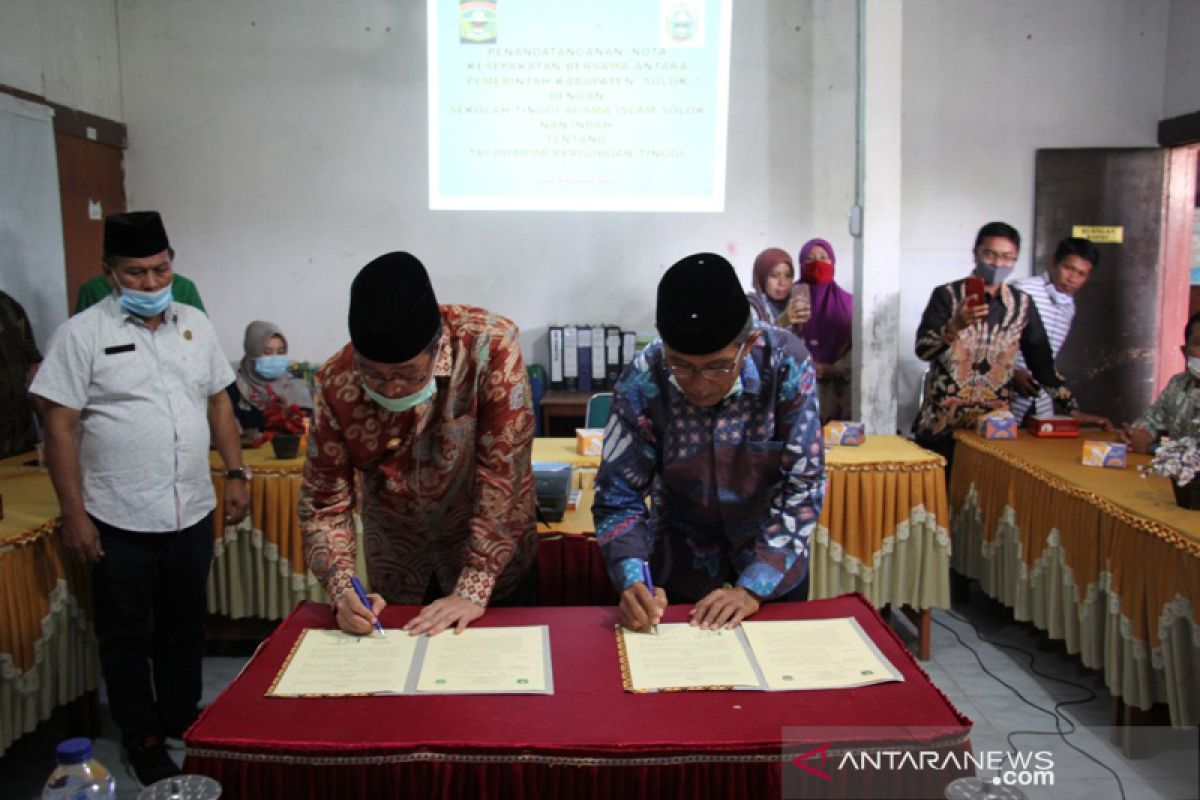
(803, 291)
(974, 291)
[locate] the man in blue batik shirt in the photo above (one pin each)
(716, 421)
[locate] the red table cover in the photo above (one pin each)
(589, 739)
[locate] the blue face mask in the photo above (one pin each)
(398, 404)
(271, 367)
(145, 304)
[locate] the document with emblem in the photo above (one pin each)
(332, 663)
(765, 656)
(512, 660)
(817, 654)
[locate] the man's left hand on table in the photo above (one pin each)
(723, 608)
(450, 611)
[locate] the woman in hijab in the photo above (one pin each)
(826, 334)
(264, 366)
(771, 299)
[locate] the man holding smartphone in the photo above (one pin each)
(971, 334)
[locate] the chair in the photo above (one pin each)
(598, 407)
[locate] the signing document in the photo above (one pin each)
(329, 663)
(680, 656)
(326, 663)
(767, 656)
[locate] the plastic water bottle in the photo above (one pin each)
(78, 776)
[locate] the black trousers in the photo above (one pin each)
(943, 445)
(149, 592)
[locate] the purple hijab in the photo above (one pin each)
(827, 333)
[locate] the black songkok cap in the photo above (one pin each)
(393, 312)
(701, 305)
(136, 234)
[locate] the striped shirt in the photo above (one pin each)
(1056, 310)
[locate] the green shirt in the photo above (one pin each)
(98, 288)
(1175, 413)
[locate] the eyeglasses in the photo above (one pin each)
(711, 374)
(999, 258)
(377, 381)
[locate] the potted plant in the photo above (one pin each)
(1179, 460)
(284, 423)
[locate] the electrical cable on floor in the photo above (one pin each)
(1058, 716)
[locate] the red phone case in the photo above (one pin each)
(974, 290)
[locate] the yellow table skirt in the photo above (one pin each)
(883, 531)
(1099, 558)
(48, 651)
(258, 565)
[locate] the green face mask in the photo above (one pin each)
(398, 404)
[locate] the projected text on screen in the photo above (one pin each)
(618, 105)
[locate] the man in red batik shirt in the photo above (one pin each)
(431, 406)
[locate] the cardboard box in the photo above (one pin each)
(589, 441)
(999, 424)
(845, 434)
(1105, 454)
(1054, 427)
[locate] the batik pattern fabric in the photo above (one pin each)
(734, 490)
(1176, 412)
(446, 489)
(970, 373)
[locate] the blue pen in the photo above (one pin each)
(649, 585)
(358, 589)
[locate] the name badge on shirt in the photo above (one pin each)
(119, 348)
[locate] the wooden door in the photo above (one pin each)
(91, 179)
(1124, 342)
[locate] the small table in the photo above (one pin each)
(883, 532)
(1099, 558)
(557, 404)
(590, 739)
(48, 655)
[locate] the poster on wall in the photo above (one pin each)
(565, 105)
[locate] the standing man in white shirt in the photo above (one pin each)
(133, 391)
(1053, 292)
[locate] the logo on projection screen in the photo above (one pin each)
(477, 22)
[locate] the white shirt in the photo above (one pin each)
(1057, 311)
(143, 397)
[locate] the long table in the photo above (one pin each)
(589, 739)
(883, 532)
(1100, 558)
(48, 654)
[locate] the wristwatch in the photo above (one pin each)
(242, 473)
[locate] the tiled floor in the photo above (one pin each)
(995, 709)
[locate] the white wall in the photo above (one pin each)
(1183, 59)
(286, 146)
(63, 50)
(985, 85)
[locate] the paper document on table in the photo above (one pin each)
(512, 660)
(817, 654)
(680, 656)
(331, 663)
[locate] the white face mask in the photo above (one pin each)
(735, 389)
(1194, 366)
